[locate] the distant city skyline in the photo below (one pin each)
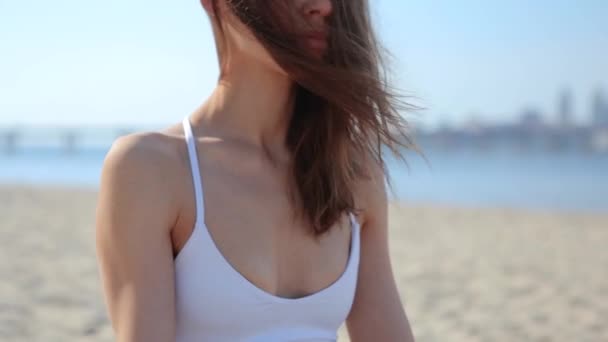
(561, 115)
(147, 62)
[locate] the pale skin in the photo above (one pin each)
(146, 208)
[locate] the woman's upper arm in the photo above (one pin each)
(134, 214)
(377, 313)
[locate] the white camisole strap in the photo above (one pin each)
(196, 176)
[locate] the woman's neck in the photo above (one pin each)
(252, 104)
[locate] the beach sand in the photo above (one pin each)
(464, 274)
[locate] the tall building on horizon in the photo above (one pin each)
(599, 109)
(564, 108)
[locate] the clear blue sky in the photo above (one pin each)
(152, 62)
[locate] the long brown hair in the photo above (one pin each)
(345, 109)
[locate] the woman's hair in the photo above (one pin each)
(345, 109)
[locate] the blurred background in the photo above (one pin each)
(500, 237)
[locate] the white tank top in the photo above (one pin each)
(215, 302)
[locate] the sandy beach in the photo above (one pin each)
(464, 274)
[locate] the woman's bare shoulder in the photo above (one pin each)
(144, 150)
(146, 167)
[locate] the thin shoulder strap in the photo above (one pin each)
(196, 175)
(354, 223)
(355, 246)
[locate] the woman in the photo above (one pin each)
(262, 216)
